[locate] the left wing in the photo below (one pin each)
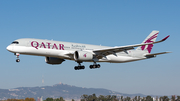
(114, 50)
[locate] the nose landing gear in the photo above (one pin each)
(17, 56)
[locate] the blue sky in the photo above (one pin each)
(109, 23)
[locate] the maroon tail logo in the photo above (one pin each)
(149, 48)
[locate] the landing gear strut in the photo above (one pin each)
(17, 56)
(79, 67)
(94, 66)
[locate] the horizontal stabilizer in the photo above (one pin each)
(149, 55)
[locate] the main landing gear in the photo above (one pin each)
(79, 67)
(17, 56)
(94, 66)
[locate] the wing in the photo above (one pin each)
(113, 50)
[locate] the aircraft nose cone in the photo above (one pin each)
(9, 48)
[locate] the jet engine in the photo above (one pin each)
(83, 56)
(53, 60)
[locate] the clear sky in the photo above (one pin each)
(105, 22)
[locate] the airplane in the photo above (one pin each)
(55, 52)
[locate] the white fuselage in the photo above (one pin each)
(65, 50)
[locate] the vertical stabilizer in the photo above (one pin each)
(151, 38)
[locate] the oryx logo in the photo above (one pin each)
(85, 55)
(149, 47)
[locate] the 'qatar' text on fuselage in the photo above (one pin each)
(48, 45)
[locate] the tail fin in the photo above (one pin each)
(151, 38)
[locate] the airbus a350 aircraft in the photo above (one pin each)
(55, 52)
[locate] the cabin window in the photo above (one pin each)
(15, 42)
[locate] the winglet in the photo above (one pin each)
(165, 38)
(162, 39)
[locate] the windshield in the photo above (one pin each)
(15, 42)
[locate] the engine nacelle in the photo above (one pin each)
(83, 56)
(53, 60)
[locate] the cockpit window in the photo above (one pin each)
(15, 42)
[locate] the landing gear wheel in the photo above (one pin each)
(82, 67)
(76, 67)
(79, 67)
(17, 60)
(94, 66)
(98, 65)
(91, 66)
